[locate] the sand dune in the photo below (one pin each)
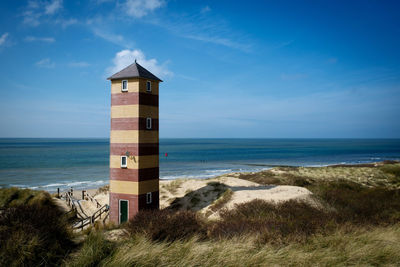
(202, 194)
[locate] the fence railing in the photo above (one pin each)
(87, 220)
(91, 219)
(91, 198)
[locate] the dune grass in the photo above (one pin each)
(352, 221)
(93, 251)
(33, 235)
(33, 231)
(14, 196)
(372, 175)
(355, 246)
(222, 200)
(173, 186)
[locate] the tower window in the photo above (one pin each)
(148, 123)
(148, 86)
(124, 85)
(124, 161)
(149, 198)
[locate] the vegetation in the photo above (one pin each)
(352, 219)
(361, 205)
(167, 225)
(103, 189)
(222, 200)
(198, 199)
(94, 250)
(386, 174)
(378, 246)
(13, 196)
(173, 186)
(33, 235)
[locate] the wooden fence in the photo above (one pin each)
(91, 219)
(88, 220)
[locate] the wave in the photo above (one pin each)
(68, 185)
(205, 174)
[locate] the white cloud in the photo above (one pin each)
(36, 11)
(52, 7)
(140, 8)
(126, 57)
(219, 41)
(45, 63)
(113, 38)
(40, 39)
(79, 64)
(66, 22)
(3, 38)
(201, 27)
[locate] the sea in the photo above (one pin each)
(48, 164)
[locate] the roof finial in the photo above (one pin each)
(135, 60)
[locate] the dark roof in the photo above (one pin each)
(134, 71)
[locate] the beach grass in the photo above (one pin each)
(94, 250)
(348, 246)
(34, 235)
(173, 186)
(352, 218)
(222, 200)
(372, 175)
(13, 196)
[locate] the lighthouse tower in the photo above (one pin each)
(134, 152)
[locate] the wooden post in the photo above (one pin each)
(58, 192)
(83, 194)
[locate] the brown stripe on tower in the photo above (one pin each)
(134, 147)
(135, 175)
(134, 98)
(133, 124)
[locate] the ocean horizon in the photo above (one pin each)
(51, 163)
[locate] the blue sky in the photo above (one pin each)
(294, 69)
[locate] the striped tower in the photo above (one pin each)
(134, 172)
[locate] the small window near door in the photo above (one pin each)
(148, 86)
(124, 85)
(149, 198)
(124, 161)
(148, 123)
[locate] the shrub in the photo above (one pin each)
(394, 170)
(272, 222)
(269, 177)
(14, 196)
(167, 225)
(359, 204)
(33, 235)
